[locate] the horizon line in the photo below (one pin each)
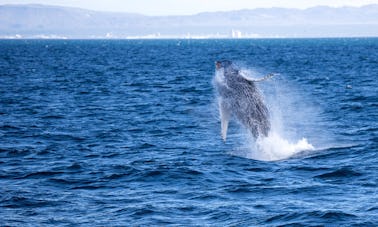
(196, 38)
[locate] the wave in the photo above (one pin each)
(314, 216)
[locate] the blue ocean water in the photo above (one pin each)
(126, 132)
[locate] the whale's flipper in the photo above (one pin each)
(257, 80)
(224, 112)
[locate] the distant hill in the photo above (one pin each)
(42, 21)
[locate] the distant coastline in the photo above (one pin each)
(54, 22)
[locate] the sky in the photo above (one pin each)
(188, 7)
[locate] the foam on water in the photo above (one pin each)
(275, 147)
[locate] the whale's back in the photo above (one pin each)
(249, 108)
(244, 101)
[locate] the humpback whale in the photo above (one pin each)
(240, 98)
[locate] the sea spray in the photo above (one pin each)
(275, 147)
(283, 140)
(279, 144)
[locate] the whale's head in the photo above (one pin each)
(227, 67)
(223, 64)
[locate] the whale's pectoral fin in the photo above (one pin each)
(225, 117)
(258, 80)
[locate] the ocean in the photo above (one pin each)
(127, 133)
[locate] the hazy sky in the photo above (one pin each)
(181, 7)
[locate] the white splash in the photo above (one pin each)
(274, 147)
(283, 104)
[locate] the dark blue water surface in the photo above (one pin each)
(126, 132)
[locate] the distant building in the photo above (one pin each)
(236, 34)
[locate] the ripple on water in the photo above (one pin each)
(126, 132)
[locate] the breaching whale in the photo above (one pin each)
(239, 97)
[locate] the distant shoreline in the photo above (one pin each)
(48, 22)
